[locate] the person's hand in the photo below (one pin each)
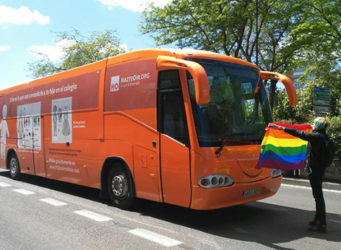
(275, 126)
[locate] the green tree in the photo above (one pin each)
(82, 50)
(301, 113)
(225, 26)
(229, 27)
(304, 110)
(319, 40)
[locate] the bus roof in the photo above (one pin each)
(177, 53)
(137, 55)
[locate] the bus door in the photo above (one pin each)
(38, 146)
(174, 140)
(30, 145)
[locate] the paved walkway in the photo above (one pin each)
(305, 182)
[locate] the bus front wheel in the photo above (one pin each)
(120, 187)
(14, 169)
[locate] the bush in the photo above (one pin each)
(301, 113)
(334, 132)
(304, 110)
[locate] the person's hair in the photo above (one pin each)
(321, 123)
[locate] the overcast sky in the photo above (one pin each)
(28, 27)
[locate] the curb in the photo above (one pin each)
(305, 183)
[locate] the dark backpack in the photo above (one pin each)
(329, 150)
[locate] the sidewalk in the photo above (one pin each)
(300, 177)
(305, 182)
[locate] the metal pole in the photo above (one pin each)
(257, 32)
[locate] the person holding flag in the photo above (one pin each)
(316, 155)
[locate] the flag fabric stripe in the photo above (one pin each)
(279, 142)
(283, 158)
(282, 165)
(284, 150)
(281, 150)
(279, 134)
(302, 127)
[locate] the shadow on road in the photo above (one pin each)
(72, 189)
(259, 222)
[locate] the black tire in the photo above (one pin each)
(120, 187)
(14, 168)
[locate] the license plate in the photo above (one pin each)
(251, 192)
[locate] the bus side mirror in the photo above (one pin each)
(289, 86)
(202, 89)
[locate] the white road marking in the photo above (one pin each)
(157, 238)
(23, 191)
(92, 215)
(303, 187)
(4, 184)
(53, 202)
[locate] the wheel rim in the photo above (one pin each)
(13, 167)
(119, 186)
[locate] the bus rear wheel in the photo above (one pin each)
(14, 169)
(120, 187)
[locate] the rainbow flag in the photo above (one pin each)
(281, 150)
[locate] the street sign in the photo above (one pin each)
(323, 96)
(321, 109)
(321, 100)
(321, 90)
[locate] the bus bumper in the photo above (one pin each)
(238, 193)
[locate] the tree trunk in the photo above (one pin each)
(272, 93)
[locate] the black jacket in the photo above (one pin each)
(316, 153)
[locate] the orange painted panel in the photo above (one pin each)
(147, 174)
(130, 85)
(121, 128)
(147, 116)
(206, 199)
(175, 172)
(68, 157)
(77, 88)
(236, 161)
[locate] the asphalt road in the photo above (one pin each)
(37, 213)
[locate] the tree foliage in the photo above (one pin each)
(303, 112)
(229, 26)
(291, 34)
(81, 50)
(319, 38)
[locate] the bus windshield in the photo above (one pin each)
(239, 109)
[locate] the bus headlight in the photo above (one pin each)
(215, 180)
(276, 173)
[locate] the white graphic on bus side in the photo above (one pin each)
(62, 120)
(29, 125)
(4, 131)
(115, 84)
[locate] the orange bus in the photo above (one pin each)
(174, 126)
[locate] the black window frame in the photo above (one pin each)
(175, 89)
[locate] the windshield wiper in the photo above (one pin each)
(224, 141)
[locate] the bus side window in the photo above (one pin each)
(171, 109)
